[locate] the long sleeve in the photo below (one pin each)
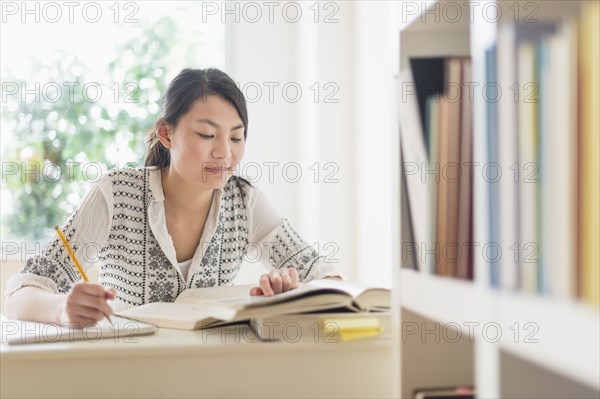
(87, 231)
(274, 241)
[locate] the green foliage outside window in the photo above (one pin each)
(58, 147)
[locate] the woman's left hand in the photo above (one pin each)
(277, 281)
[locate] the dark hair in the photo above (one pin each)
(188, 86)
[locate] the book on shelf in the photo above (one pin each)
(528, 176)
(507, 229)
(547, 140)
(450, 171)
(444, 204)
(464, 234)
(519, 193)
(438, 152)
(16, 332)
(559, 182)
(589, 144)
(433, 127)
(436, 131)
(536, 114)
(529, 112)
(198, 308)
(408, 252)
(414, 158)
(327, 327)
(493, 171)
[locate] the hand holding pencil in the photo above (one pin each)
(86, 302)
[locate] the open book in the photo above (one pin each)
(209, 307)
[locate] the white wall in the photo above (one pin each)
(350, 138)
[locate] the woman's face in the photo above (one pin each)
(208, 143)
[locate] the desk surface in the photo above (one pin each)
(224, 362)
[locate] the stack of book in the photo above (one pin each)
(437, 155)
(543, 132)
(321, 310)
(541, 167)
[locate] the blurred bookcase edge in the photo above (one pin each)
(552, 331)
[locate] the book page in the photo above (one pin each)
(238, 297)
(196, 295)
(178, 315)
(367, 298)
(352, 289)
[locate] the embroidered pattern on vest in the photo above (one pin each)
(54, 262)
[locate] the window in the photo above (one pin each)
(81, 84)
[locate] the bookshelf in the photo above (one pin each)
(512, 343)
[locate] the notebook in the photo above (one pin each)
(16, 332)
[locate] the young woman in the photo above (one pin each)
(183, 221)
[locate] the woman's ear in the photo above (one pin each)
(163, 133)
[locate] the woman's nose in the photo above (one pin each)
(221, 149)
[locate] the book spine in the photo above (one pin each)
(492, 97)
(464, 268)
(561, 183)
(528, 164)
(590, 158)
(508, 159)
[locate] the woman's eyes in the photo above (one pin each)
(210, 136)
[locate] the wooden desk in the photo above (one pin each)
(226, 362)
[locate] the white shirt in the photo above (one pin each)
(122, 219)
(185, 267)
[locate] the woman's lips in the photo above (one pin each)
(216, 170)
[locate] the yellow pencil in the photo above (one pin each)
(74, 259)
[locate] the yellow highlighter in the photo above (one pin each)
(350, 329)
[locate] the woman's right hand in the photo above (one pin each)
(86, 304)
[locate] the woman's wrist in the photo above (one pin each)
(60, 309)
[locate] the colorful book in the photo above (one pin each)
(442, 203)
(560, 170)
(450, 177)
(432, 117)
(464, 233)
(493, 171)
(543, 187)
(508, 158)
(414, 160)
(528, 164)
(589, 184)
(409, 246)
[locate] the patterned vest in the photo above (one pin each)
(134, 263)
